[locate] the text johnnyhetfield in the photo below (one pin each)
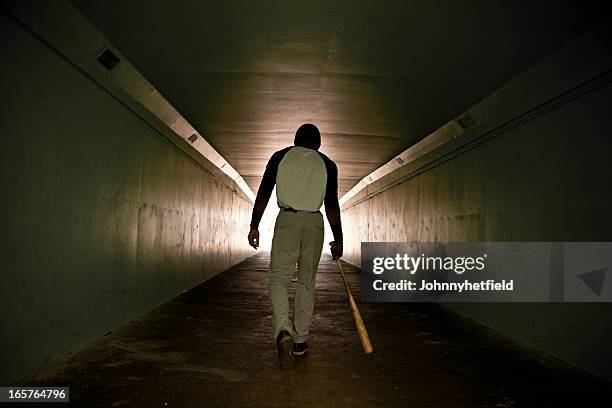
(465, 286)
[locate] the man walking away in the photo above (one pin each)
(305, 179)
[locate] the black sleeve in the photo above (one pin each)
(266, 186)
(332, 206)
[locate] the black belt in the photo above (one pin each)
(296, 211)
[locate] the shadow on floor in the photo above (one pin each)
(212, 347)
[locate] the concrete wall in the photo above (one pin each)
(104, 217)
(547, 179)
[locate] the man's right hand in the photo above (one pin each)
(336, 249)
(254, 238)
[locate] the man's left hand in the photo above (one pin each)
(254, 238)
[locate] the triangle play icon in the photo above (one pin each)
(594, 280)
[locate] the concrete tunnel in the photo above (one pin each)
(134, 139)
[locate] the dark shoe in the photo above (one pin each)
(300, 349)
(284, 343)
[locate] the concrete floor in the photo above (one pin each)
(211, 346)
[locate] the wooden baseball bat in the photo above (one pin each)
(361, 330)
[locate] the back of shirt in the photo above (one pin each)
(305, 178)
(301, 180)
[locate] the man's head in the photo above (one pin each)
(308, 136)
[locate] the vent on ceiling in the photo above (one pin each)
(108, 59)
(465, 122)
(193, 138)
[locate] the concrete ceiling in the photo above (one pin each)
(375, 76)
